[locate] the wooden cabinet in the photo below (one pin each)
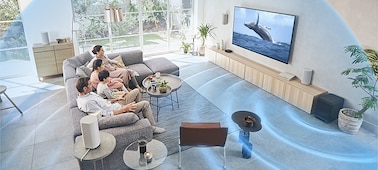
(237, 68)
(299, 95)
(49, 58)
(254, 76)
(222, 61)
(274, 86)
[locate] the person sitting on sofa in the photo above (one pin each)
(113, 83)
(125, 74)
(88, 101)
(122, 97)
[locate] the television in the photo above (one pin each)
(267, 33)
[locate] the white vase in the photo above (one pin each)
(202, 51)
(348, 124)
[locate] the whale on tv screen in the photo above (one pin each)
(264, 32)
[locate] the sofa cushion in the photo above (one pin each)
(118, 120)
(130, 57)
(119, 60)
(83, 71)
(162, 65)
(80, 59)
(142, 70)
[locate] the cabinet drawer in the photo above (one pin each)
(37, 49)
(63, 46)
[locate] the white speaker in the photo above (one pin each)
(90, 131)
(306, 76)
(225, 19)
(45, 38)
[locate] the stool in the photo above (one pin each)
(2, 91)
(327, 106)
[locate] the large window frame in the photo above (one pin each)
(13, 45)
(154, 26)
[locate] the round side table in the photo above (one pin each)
(134, 159)
(107, 145)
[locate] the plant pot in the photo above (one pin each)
(348, 124)
(163, 89)
(202, 51)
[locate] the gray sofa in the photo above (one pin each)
(126, 128)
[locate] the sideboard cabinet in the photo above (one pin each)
(49, 58)
(293, 91)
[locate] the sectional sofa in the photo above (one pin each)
(126, 128)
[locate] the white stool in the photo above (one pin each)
(2, 91)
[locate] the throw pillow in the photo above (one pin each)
(118, 120)
(119, 60)
(83, 71)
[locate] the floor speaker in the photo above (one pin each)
(327, 106)
(90, 131)
(306, 76)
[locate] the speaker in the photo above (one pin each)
(225, 19)
(306, 76)
(327, 106)
(45, 38)
(90, 131)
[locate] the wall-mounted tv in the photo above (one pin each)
(267, 33)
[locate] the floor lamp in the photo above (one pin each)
(112, 15)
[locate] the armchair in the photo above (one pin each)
(203, 134)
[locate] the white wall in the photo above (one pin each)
(52, 16)
(320, 37)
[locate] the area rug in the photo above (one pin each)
(193, 108)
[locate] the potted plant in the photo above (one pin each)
(365, 78)
(163, 86)
(205, 30)
(185, 46)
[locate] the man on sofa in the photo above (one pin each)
(88, 101)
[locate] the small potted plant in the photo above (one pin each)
(163, 86)
(205, 30)
(185, 46)
(365, 78)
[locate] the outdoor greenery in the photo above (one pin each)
(89, 14)
(12, 32)
(364, 77)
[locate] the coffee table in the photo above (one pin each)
(174, 83)
(107, 145)
(132, 156)
(239, 118)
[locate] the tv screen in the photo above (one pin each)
(267, 33)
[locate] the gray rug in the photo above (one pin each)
(193, 108)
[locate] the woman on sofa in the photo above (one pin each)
(114, 83)
(115, 72)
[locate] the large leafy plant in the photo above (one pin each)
(205, 30)
(365, 77)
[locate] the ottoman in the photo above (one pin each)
(162, 65)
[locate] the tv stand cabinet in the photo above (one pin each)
(293, 91)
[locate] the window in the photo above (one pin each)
(151, 25)
(13, 46)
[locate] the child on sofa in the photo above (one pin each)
(123, 97)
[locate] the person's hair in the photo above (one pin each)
(96, 64)
(102, 75)
(96, 49)
(81, 83)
